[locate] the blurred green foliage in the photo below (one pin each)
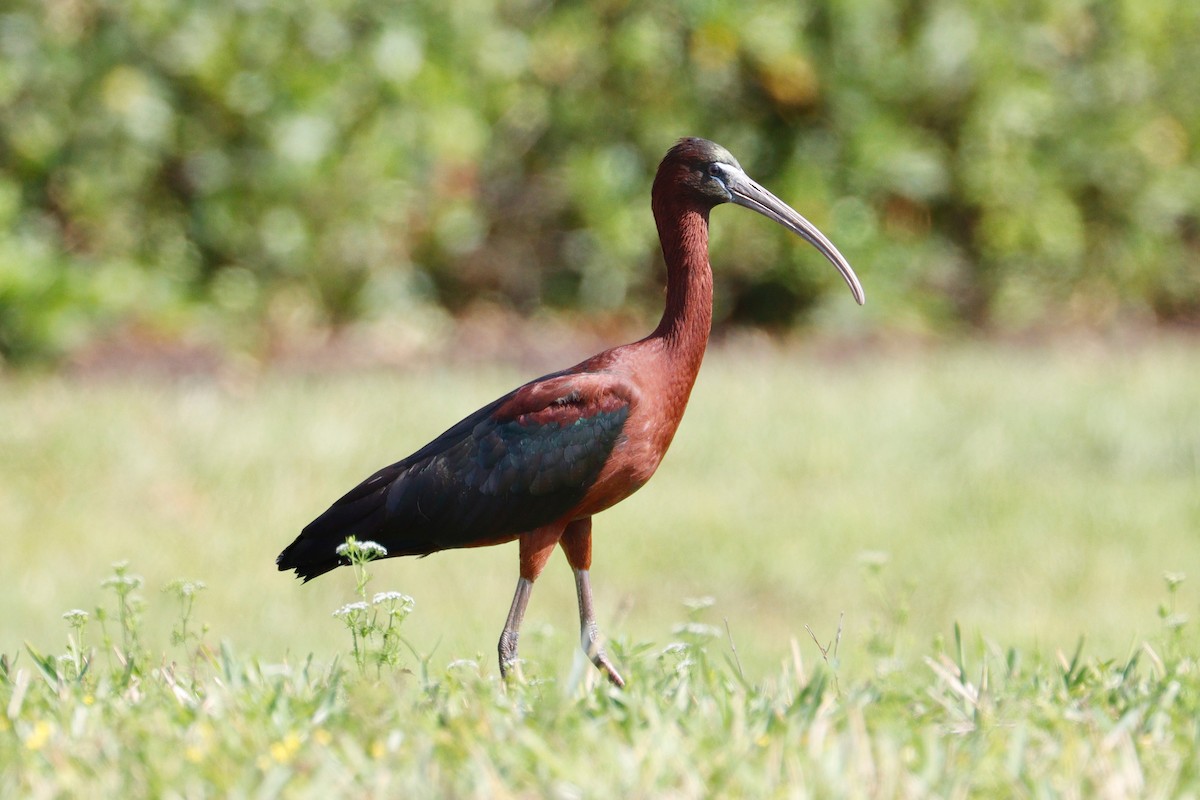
(268, 165)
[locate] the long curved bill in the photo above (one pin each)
(746, 192)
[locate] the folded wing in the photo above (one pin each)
(519, 463)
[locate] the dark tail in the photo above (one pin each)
(360, 513)
(363, 514)
(308, 558)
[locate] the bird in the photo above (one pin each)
(537, 464)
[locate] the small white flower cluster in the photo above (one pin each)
(351, 608)
(185, 588)
(696, 629)
(76, 616)
(680, 651)
(699, 603)
(397, 597)
(130, 581)
(368, 549)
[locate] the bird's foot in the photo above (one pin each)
(510, 665)
(590, 639)
(601, 661)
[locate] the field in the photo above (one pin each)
(928, 571)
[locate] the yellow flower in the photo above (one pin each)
(39, 736)
(283, 750)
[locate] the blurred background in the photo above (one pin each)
(1004, 436)
(241, 174)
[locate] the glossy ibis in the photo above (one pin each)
(538, 463)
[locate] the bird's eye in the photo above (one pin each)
(714, 169)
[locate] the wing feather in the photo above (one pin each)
(520, 462)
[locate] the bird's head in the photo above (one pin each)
(708, 175)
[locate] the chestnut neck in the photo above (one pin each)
(687, 319)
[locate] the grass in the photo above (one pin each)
(195, 722)
(983, 531)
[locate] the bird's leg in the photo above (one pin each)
(512, 628)
(589, 634)
(577, 544)
(536, 547)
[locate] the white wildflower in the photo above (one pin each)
(185, 588)
(699, 603)
(395, 597)
(350, 608)
(368, 549)
(696, 629)
(1175, 621)
(129, 581)
(76, 616)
